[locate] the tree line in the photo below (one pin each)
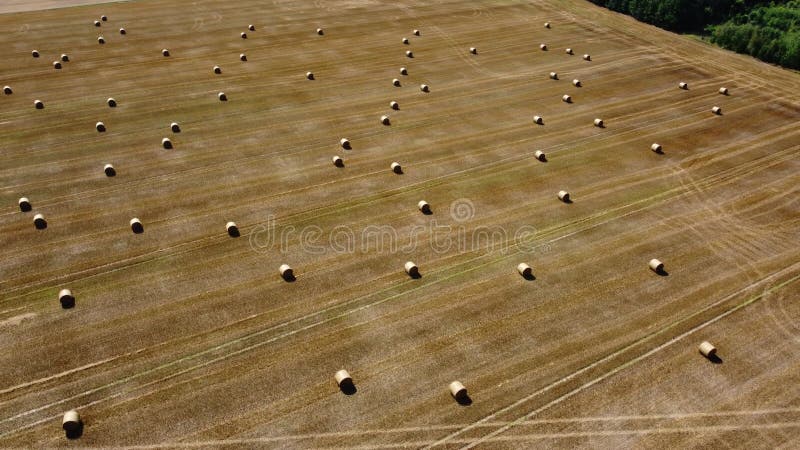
(768, 30)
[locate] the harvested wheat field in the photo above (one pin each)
(176, 332)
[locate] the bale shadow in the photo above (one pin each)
(662, 273)
(67, 302)
(464, 399)
(137, 228)
(25, 207)
(289, 277)
(234, 232)
(111, 172)
(529, 276)
(715, 359)
(75, 433)
(40, 224)
(348, 387)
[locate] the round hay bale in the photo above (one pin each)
(707, 349)
(599, 123)
(175, 127)
(411, 269)
(345, 143)
(242, 57)
(222, 97)
(64, 57)
(576, 82)
(396, 82)
(217, 70)
(122, 31)
(473, 50)
(424, 88)
(566, 98)
(409, 53)
(136, 225)
(243, 35)
(416, 32)
(524, 270)
(109, 170)
(164, 52)
(39, 222)
(385, 120)
(7, 90)
(24, 204)
(97, 23)
(251, 27)
(104, 18)
(394, 105)
(232, 229)
(547, 24)
(342, 378)
(405, 41)
(564, 196)
(287, 273)
(538, 120)
(397, 168)
(309, 75)
(723, 91)
(338, 161)
(66, 298)
(38, 104)
(57, 65)
(320, 31)
(683, 86)
(424, 207)
(458, 391)
(569, 51)
(35, 53)
(403, 71)
(100, 127)
(587, 57)
(101, 40)
(166, 143)
(656, 148)
(717, 110)
(71, 422)
(656, 266)
(540, 156)
(543, 47)
(553, 75)
(111, 102)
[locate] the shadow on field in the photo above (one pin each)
(529, 276)
(75, 433)
(289, 278)
(348, 387)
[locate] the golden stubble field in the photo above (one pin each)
(185, 336)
